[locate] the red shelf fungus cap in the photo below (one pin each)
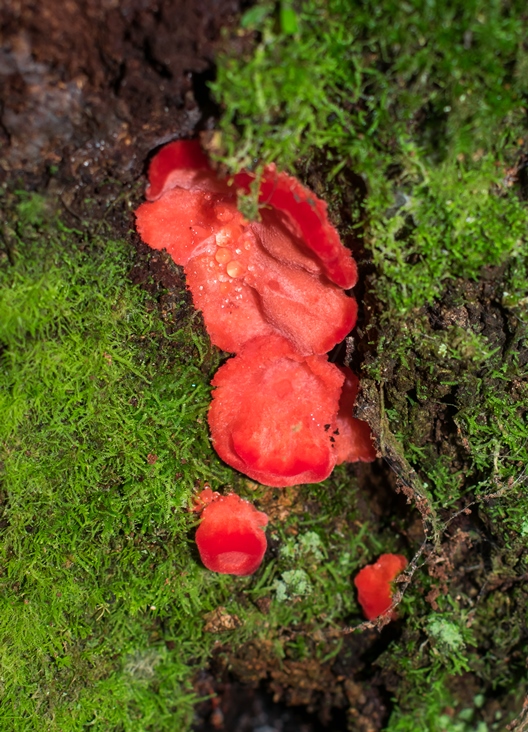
(308, 216)
(273, 413)
(231, 538)
(374, 584)
(284, 274)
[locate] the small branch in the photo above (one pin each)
(521, 723)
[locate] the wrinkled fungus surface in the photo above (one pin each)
(273, 413)
(231, 538)
(308, 215)
(271, 291)
(284, 274)
(374, 584)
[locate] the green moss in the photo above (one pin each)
(451, 223)
(430, 118)
(101, 442)
(334, 84)
(103, 433)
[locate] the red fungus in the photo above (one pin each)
(179, 164)
(231, 538)
(204, 498)
(273, 292)
(250, 278)
(273, 413)
(354, 441)
(308, 216)
(374, 584)
(183, 164)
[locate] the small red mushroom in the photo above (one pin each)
(284, 274)
(231, 538)
(204, 498)
(273, 413)
(374, 584)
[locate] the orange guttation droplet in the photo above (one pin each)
(223, 255)
(374, 584)
(235, 268)
(223, 236)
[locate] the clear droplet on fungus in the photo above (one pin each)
(223, 213)
(223, 255)
(235, 268)
(222, 237)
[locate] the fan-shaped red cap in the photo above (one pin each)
(231, 538)
(284, 274)
(273, 413)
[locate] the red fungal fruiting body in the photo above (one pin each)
(273, 413)
(354, 441)
(373, 584)
(249, 279)
(231, 538)
(181, 164)
(308, 215)
(273, 292)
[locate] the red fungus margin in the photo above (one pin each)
(284, 274)
(273, 413)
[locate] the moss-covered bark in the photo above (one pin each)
(410, 120)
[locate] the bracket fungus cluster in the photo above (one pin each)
(272, 292)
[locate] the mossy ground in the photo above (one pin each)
(107, 613)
